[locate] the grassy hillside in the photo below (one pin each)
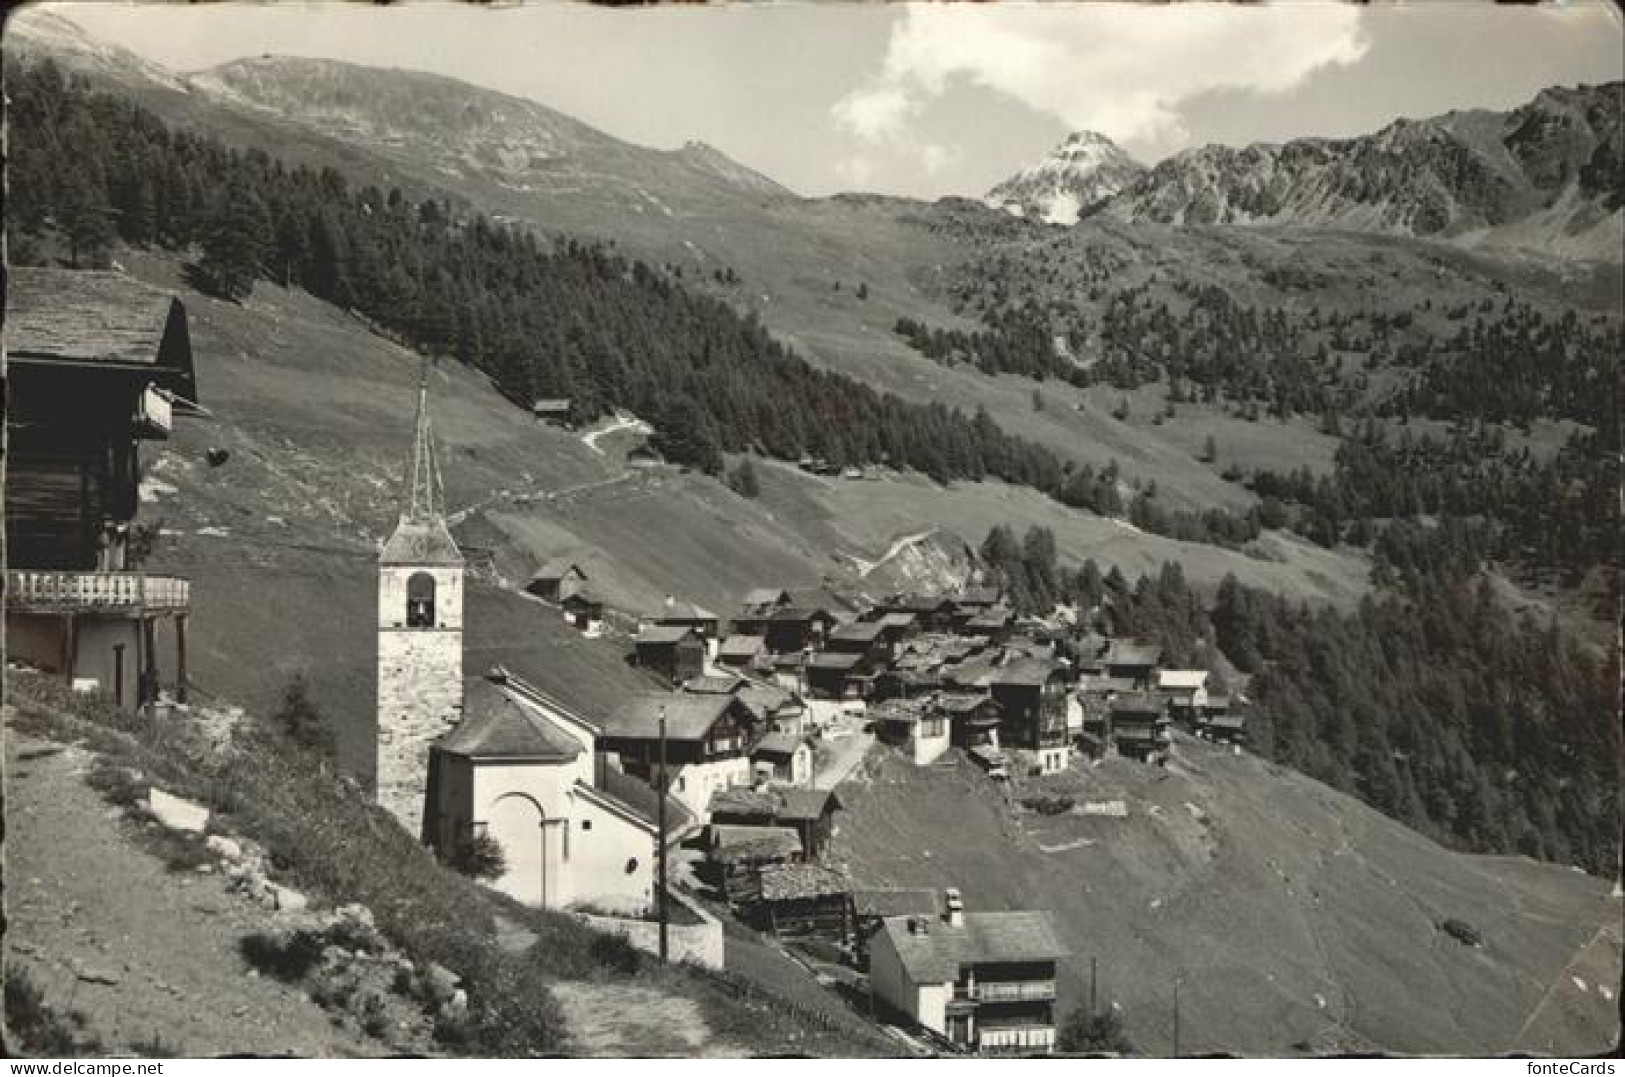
(1295, 917)
(315, 412)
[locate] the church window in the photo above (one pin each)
(420, 601)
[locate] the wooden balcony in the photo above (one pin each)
(1015, 991)
(42, 591)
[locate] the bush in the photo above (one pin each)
(616, 952)
(1088, 1033)
(37, 1028)
(299, 717)
(1046, 804)
(286, 956)
(479, 857)
(1462, 932)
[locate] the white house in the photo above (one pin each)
(520, 768)
(783, 757)
(985, 980)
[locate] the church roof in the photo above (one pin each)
(496, 726)
(421, 542)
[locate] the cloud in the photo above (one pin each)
(1121, 69)
(934, 157)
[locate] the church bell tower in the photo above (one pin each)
(420, 635)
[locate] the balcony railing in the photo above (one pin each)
(50, 591)
(1019, 991)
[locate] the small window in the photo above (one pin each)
(420, 601)
(632, 865)
(586, 824)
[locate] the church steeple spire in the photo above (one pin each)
(425, 496)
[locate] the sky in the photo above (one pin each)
(928, 99)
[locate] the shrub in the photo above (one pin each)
(616, 952)
(1047, 804)
(299, 717)
(479, 857)
(287, 956)
(1087, 1033)
(37, 1028)
(1462, 932)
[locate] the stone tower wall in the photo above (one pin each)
(420, 690)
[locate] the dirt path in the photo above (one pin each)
(633, 1020)
(149, 956)
(590, 439)
(848, 753)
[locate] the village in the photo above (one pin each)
(717, 788)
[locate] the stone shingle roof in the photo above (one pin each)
(788, 882)
(688, 716)
(937, 954)
(496, 726)
(102, 317)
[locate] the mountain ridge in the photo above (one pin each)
(1072, 180)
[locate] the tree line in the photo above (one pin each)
(568, 319)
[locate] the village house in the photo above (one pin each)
(706, 737)
(1032, 694)
(519, 769)
(985, 981)
(556, 580)
(782, 757)
(773, 708)
(675, 652)
(973, 718)
(1139, 727)
(675, 614)
(584, 611)
(555, 410)
(865, 638)
(831, 675)
(808, 811)
(741, 652)
(922, 734)
(1136, 662)
(1185, 690)
(1218, 721)
(993, 625)
(932, 613)
(764, 600)
(98, 364)
(788, 629)
(806, 901)
(736, 855)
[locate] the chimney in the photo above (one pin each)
(954, 912)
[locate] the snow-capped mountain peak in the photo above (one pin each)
(1076, 176)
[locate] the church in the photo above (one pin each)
(491, 756)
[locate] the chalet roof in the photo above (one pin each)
(803, 803)
(420, 542)
(585, 596)
(551, 406)
(746, 802)
(764, 596)
(732, 844)
(1027, 672)
(1102, 685)
(662, 634)
(741, 646)
(763, 699)
(557, 568)
(961, 702)
(800, 615)
(714, 684)
(858, 632)
(937, 954)
(897, 619)
(1181, 680)
(688, 716)
(1128, 653)
(921, 603)
(788, 882)
(1138, 703)
(682, 611)
(496, 726)
(1218, 700)
(1228, 720)
(777, 744)
(640, 798)
(900, 902)
(994, 618)
(105, 318)
(833, 660)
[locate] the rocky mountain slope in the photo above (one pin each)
(1546, 176)
(1072, 181)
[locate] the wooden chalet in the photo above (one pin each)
(557, 579)
(700, 730)
(788, 629)
(584, 610)
(973, 717)
(806, 901)
(741, 652)
(809, 812)
(736, 855)
(866, 638)
(675, 614)
(556, 410)
(1139, 727)
(1133, 661)
(98, 364)
(832, 675)
(675, 652)
(1032, 694)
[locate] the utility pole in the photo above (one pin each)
(660, 788)
(1176, 1016)
(1094, 1010)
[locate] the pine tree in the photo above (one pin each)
(236, 245)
